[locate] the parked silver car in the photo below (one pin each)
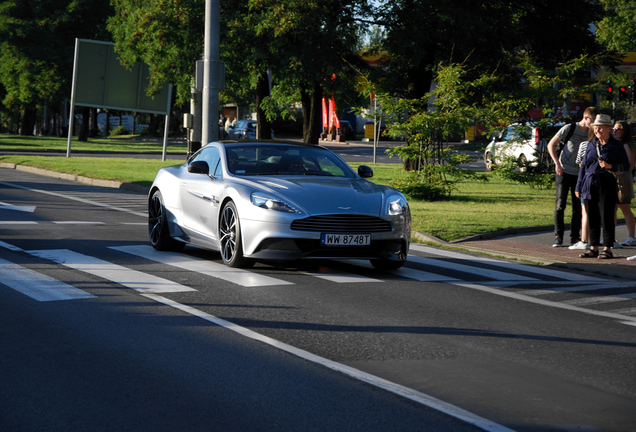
(273, 200)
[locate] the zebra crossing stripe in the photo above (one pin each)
(242, 277)
(136, 280)
(36, 285)
(571, 276)
(450, 265)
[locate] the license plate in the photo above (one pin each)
(345, 239)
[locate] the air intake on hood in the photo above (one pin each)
(342, 224)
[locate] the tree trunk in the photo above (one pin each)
(94, 130)
(28, 120)
(263, 126)
(83, 133)
(312, 112)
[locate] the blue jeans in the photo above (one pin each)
(566, 185)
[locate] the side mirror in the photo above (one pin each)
(365, 171)
(199, 167)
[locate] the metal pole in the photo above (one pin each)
(211, 56)
(72, 116)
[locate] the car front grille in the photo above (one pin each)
(343, 224)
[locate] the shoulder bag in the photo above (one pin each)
(624, 194)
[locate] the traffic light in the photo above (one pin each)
(622, 94)
(610, 89)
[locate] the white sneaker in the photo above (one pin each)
(581, 245)
(631, 241)
(617, 245)
(631, 258)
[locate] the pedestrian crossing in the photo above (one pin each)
(524, 281)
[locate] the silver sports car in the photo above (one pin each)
(275, 200)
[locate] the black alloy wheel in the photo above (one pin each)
(230, 238)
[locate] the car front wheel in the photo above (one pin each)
(488, 160)
(158, 230)
(231, 244)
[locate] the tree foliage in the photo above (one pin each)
(422, 34)
(617, 30)
(37, 40)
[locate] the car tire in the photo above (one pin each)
(523, 164)
(488, 161)
(158, 230)
(385, 264)
(230, 239)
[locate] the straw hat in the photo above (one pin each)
(603, 120)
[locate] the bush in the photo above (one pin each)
(119, 130)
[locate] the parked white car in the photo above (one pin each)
(525, 143)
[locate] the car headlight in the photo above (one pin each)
(268, 202)
(395, 205)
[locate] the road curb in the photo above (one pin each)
(74, 177)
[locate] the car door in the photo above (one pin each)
(199, 195)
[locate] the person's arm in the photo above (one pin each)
(552, 151)
(630, 157)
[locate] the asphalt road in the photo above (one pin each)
(138, 340)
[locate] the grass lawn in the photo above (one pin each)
(115, 145)
(473, 208)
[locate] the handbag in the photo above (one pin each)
(623, 186)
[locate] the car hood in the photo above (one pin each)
(327, 195)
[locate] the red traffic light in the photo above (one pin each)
(610, 89)
(623, 90)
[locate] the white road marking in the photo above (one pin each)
(359, 375)
(85, 201)
(571, 276)
(567, 289)
(36, 285)
(560, 305)
(585, 301)
(626, 311)
(245, 278)
(409, 273)
(18, 223)
(136, 280)
(340, 276)
(78, 223)
(10, 247)
(7, 206)
(470, 269)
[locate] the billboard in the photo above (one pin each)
(102, 82)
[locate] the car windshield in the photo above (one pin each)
(280, 159)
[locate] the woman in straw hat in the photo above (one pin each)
(597, 186)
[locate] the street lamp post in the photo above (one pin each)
(211, 73)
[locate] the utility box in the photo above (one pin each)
(187, 121)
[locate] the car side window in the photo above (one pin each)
(213, 157)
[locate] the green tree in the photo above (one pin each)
(312, 49)
(617, 30)
(485, 36)
(37, 46)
